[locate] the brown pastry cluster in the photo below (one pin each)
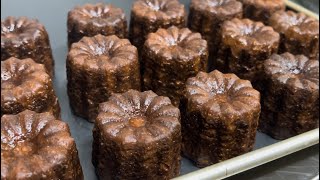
(26, 85)
(148, 16)
(245, 46)
(98, 66)
(262, 10)
(207, 16)
(137, 135)
(220, 117)
(92, 19)
(36, 146)
(299, 33)
(291, 96)
(169, 58)
(26, 38)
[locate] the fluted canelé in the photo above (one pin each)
(93, 19)
(37, 146)
(148, 16)
(26, 84)
(220, 115)
(290, 103)
(97, 67)
(137, 135)
(26, 38)
(169, 58)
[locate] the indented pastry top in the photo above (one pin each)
(153, 10)
(219, 7)
(98, 15)
(295, 25)
(177, 44)
(32, 144)
(266, 3)
(103, 52)
(21, 30)
(221, 96)
(138, 117)
(299, 72)
(245, 34)
(18, 76)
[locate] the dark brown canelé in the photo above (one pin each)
(26, 38)
(220, 117)
(245, 45)
(148, 16)
(137, 135)
(290, 103)
(169, 58)
(299, 33)
(26, 85)
(206, 17)
(92, 19)
(261, 10)
(37, 146)
(98, 66)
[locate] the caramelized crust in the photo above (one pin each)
(36, 146)
(262, 10)
(170, 57)
(98, 66)
(291, 103)
(245, 45)
(299, 33)
(26, 85)
(26, 38)
(207, 16)
(220, 116)
(137, 135)
(148, 16)
(92, 19)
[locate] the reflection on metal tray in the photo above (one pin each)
(53, 15)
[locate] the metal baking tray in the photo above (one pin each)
(53, 14)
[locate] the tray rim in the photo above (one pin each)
(263, 155)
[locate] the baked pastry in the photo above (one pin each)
(26, 38)
(299, 33)
(220, 117)
(98, 66)
(169, 58)
(137, 135)
(290, 103)
(92, 19)
(207, 16)
(245, 45)
(36, 146)
(148, 16)
(26, 85)
(262, 10)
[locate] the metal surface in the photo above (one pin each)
(255, 158)
(53, 15)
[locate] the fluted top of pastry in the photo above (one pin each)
(245, 34)
(98, 15)
(279, 4)
(177, 44)
(22, 78)
(221, 96)
(295, 25)
(153, 10)
(32, 144)
(298, 72)
(103, 52)
(19, 30)
(138, 117)
(219, 7)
